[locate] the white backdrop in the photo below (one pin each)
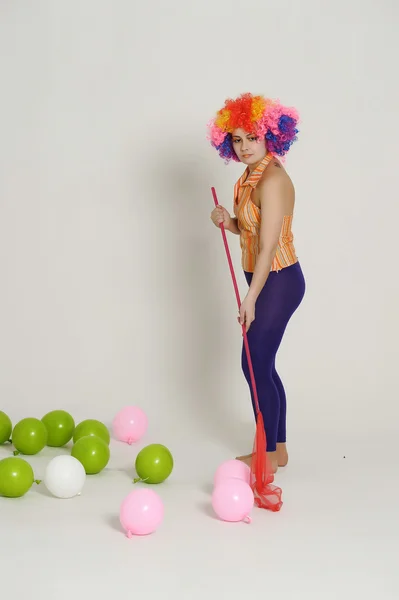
(115, 286)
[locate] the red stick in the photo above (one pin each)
(244, 331)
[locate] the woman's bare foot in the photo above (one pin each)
(245, 459)
(273, 460)
(282, 455)
(272, 455)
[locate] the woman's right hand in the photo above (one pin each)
(220, 215)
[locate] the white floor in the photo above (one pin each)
(336, 537)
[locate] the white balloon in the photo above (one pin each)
(65, 476)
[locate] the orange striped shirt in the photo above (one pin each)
(249, 219)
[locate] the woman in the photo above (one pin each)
(255, 131)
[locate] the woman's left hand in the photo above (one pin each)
(247, 312)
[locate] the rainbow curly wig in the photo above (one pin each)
(261, 116)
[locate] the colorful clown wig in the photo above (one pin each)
(260, 116)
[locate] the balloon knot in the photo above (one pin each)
(129, 535)
(247, 519)
(140, 479)
(38, 481)
(16, 452)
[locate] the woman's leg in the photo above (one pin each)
(280, 297)
(281, 429)
(282, 454)
(281, 449)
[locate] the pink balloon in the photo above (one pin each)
(233, 500)
(130, 424)
(232, 468)
(141, 512)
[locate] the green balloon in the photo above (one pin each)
(16, 477)
(5, 427)
(29, 436)
(60, 427)
(92, 452)
(154, 464)
(91, 427)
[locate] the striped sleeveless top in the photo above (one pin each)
(249, 219)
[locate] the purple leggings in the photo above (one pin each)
(277, 302)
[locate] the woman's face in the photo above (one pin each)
(249, 149)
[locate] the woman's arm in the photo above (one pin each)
(220, 215)
(233, 228)
(274, 198)
(272, 202)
